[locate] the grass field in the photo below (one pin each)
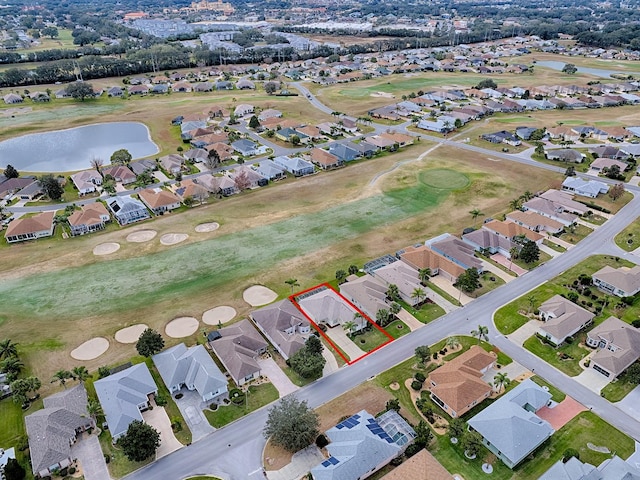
(629, 238)
(550, 354)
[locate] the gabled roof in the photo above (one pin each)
(189, 366)
(403, 275)
(509, 427)
(237, 349)
(367, 292)
(533, 219)
(121, 393)
(423, 257)
(455, 250)
(156, 199)
(89, 214)
(422, 466)
(325, 304)
(510, 230)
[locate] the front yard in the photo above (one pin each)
(426, 313)
(629, 238)
(619, 388)
(565, 358)
(258, 396)
(488, 281)
(575, 233)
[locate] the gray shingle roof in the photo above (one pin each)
(274, 321)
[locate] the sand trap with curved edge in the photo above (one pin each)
(106, 248)
(130, 334)
(207, 227)
(182, 327)
(173, 238)
(221, 314)
(141, 236)
(258, 295)
(91, 349)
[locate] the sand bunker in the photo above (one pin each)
(173, 238)
(106, 248)
(259, 295)
(221, 314)
(207, 227)
(181, 327)
(91, 349)
(141, 236)
(130, 334)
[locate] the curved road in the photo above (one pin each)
(235, 451)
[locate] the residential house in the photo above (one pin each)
(607, 151)
(510, 428)
(535, 222)
(421, 466)
(283, 325)
(196, 154)
(54, 429)
(192, 368)
(30, 228)
(246, 177)
(190, 189)
(311, 132)
(218, 185)
(502, 137)
(120, 173)
(115, 92)
(160, 88)
(295, 166)
(202, 87)
(618, 345)
(562, 318)
(455, 250)
(138, 89)
(243, 109)
(483, 240)
(367, 293)
(269, 169)
(86, 181)
(601, 165)
(613, 468)
(246, 148)
(361, 445)
(405, 277)
(269, 113)
(565, 155)
(12, 98)
(159, 200)
(325, 306)
(565, 200)
(381, 143)
(548, 208)
(13, 185)
(238, 347)
(90, 218)
(586, 188)
(143, 166)
(34, 190)
(245, 84)
(508, 230)
(400, 139)
(124, 396)
(457, 386)
(440, 125)
(621, 282)
(324, 159)
(127, 209)
(5, 456)
(286, 134)
(343, 152)
(172, 163)
(181, 87)
(525, 132)
(422, 257)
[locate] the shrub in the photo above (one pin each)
(586, 292)
(72, 470)
(636, 323)
(416, 385)
(568, 453)
(176, 425)
(107, 458)
(419, 376)
(161, 400)
(569, 340)
(435, 355)
(213, 406)
(396, 461)
(322, 441)
(178, 396)
(63, 472)
(412, 450)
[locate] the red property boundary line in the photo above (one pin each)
(292, 299)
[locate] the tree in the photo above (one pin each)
(19, 388)
(242, 181)
(291, 424)
(121, 157)
(97, 163)
(395, 308)
(393, 404)
(501, 380)
(270, 88)
(11, 172)
(314, 345)
(539, 150)
(452, 343)
(213, 159)
(487, 83)
(140, 442)
(471, 443)
(515, 204)
(94, 409)
(456, 427)
(295, 140)
(349, 325)
(570, 171)
(469, 280)
(531, 300)
(418, 294)
(80, 373)
(353, 269)
(613, 172)
(475, 213)
(292, 282)
(393, 293)
(8, 349)
(49, 31)
(616, 191)
(13, 470)
(308, 362)
(51, 187)
(79, 90)
(530, 252)
(482, 333)
(62, 376)
(423, 434)
(382, 317)
(149, 343)
(254, 122)
(341, 275)
(424, 274)
(34, 384)
(423, 353)
(569, 68)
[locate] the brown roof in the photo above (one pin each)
(37, 223)
(310, 131)
(88, 215)
(534, 219)
(158, 199)
(423, 257)
(459, 382)
(396, 137)
(273, 122)
(510, 230)
(322, 157)
(422, 466)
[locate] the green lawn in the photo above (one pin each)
(619, 388)
(553, 246)
(12, 422)
(259, 396)
(119, 465)
(551, 355)
(443, 294)
(556, 394)
(543, 257)
(629, 238)
(489, 281)
(426, 313)
(575, 234)
(397, 329)
(371, 339)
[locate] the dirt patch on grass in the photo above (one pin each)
(106, 248)
(141, 236)
(275, 457)
(173, 238)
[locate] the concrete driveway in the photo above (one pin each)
(301, 463)
(89, 454)
(525, 332)
(269, 368)
(490, 267)
(593, 380)
(448, 287)
(191, 405)
(631, 403)
(332, 364)
(339, 337)
(412, 322)
(159, 420)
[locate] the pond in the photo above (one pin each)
(596, 72)
(73, 149)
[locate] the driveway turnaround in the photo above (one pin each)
(191, 405)
(159, 420)
(89, 453)
(270, 369)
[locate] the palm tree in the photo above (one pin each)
(292, 282)
(349, 326)
(34, 384)
(94, 409)
(80, 373)
(526, 196)
(515, 204)
(393, 292)
(501, 380)
(62, 376)
(482, 333)
(418, 293)
(11, 366)
(453, 342)
(424, 274)
(341, 275)
(395, 308)
(382, 317)
(475, 213)
(8, 349)
(531, 299)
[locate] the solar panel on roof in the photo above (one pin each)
(339, 426)
(356, 416)
(326, 463)
(334, 461)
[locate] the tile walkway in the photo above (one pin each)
(559, 414)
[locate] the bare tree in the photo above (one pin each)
(97, 163)
(242, 180)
